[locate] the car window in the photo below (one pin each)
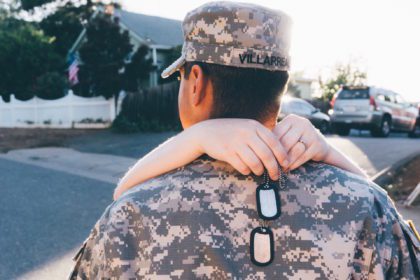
(391, 98)
(380, 97)
(399, 99)
(384, 97)
(353, 94)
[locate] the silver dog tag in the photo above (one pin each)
(268, 202)
(262, 246)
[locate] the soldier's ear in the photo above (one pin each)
(199, 80)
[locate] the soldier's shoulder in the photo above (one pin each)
(327, 176)
(338, 181)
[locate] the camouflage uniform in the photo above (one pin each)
(195, 223)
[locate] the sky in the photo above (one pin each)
(381, 37)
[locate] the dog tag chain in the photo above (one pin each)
(268, 208)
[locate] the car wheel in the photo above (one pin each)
(415, 133)
(324, 127)
(383, 130)
(342, 130)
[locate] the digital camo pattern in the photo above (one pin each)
(236, 34)
(195, 223)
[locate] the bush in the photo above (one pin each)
(123, 125)
(50, 85)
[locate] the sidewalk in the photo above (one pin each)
(102, 167)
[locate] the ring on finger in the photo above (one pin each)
(303, 142)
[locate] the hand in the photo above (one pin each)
(245, 144)
(302, 141)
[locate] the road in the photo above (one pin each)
(51, 198)
(45, 215)
(376, 154)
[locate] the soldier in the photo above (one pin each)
(205, 220)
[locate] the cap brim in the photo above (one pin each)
(173, 67)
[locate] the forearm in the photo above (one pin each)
(337, 158)
(173, 153)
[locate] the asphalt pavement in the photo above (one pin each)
(376, 154)
(45, 215)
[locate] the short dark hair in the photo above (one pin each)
(243, 92)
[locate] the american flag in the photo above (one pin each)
(73, 70)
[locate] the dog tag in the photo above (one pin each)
(262, 246)
(268, 202)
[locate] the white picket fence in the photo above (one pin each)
(70, 111)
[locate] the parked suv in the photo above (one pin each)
(373, 108)
(416, 132)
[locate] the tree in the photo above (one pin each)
(65, 25)
(103, 56)
(137, 71)
(26, 55)
(108, 63)
(344, 74)
(31, 5)
(28, 5)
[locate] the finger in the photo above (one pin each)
(248, 156)
(291, 138)
(283, 127)
(295, 152)
(306, 156)
(238, 164)
(274, 144)
(265, 155)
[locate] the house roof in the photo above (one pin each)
(156, 30)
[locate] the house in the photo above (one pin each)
(160, 34)
(307, 88)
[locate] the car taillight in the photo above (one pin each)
(332, 102)
(372, 103)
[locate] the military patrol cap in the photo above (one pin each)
(235, 34)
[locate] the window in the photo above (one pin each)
(354, 94)
(380, 97)
(399, 99)
(383, 97)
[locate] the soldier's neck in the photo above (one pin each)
(270, 124)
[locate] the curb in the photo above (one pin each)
(385, 176)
